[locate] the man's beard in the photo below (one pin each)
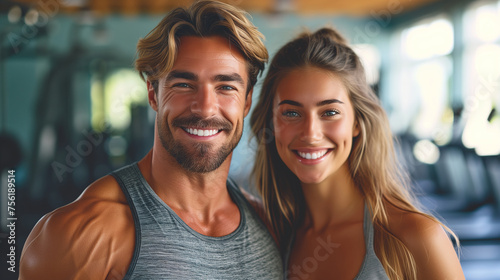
(204, 158)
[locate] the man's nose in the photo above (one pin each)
(205, 102)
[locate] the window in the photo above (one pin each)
(370, 58)
(421, 76)
(481, 76)
(113, 98)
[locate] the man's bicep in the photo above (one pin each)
(58, 248)
(41, 257)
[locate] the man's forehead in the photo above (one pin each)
(211, 44)
(213, 55)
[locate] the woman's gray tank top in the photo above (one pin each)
(167, 248)
(371, 267)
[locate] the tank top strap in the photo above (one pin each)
(372, 267)
(126, 178)
(368, 228)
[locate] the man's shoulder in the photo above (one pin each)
(254, 202)
(258, 207)
(106, 189)
(101, 203)
(77, 231)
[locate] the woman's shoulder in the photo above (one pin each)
(428, 243)
(413, 227)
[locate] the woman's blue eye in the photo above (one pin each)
(331, 113)
(290, 114)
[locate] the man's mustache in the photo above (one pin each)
(199, 122)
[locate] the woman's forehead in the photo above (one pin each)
(310, 85)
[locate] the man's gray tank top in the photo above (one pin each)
(371, 267)
(167, 248)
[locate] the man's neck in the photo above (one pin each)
(199, 199)
(180, 188)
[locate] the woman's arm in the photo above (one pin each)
(431, 247)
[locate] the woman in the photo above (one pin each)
(335, 197)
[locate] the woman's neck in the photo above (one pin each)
(334, 201)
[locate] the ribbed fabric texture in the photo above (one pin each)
(167, 248)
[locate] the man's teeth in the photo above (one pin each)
(312, 155)
(201, 132)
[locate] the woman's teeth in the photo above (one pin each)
(315, 155)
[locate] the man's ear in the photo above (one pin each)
(248, 102)
(152, 96)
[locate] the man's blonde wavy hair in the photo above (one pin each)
(156, 53)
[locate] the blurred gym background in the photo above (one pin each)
(73, 109)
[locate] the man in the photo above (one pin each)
(173, 215)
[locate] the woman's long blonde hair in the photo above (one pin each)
(373, 165)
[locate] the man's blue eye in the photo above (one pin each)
(227, 88)
(183, 85)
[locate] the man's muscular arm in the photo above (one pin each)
(91, 238)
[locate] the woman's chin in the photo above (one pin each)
(311, 179)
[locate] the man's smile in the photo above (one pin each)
(201, 132)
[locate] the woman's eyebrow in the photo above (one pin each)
(328, 101)
(321, 103)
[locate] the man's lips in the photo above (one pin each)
(201, 131)
(197, 126)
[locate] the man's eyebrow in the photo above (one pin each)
(328, 101)
(176, 74)
(233, 77)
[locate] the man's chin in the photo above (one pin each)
(201, 165)
(198, 157)
(201, 160)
